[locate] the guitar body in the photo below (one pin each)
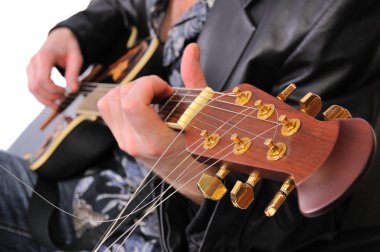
(61, 144)
(67, 146)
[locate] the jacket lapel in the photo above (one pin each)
(223, 40)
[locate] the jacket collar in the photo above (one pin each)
(223, 40)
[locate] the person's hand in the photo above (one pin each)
(138, 128)
(62, 49)
(127, 109)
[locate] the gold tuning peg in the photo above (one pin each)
(211, 186)
(289, 126)
(276, 150)
(210, 141)
(241, 97)
(286, 92)
(264, 110)
(311, 104)
(336, 112)
(286, 188)
(242, 193)
(241, 145)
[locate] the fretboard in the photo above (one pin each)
(170, 109)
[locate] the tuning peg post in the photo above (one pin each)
(286, 92)
(264, 110)
(289, 126)
(242, 97)
(241, 145)
(276, 150)
(210, 141)
(286, 188)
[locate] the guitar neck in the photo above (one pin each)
(92, 94)
(218, 126)
(170, 110)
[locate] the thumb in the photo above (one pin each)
(191, 70)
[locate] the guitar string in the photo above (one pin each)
(95, 84)
(62, 209)
(222, 93)
(136, 224)
(226, 110)
(228, 124)
(39, 195)
(180, 165)
(168, 175)
(109, 232)
(121, 217)
(180, 176)
(8, 170)
(177, 189)
(110, 86)
(263, 120)
(176, 106)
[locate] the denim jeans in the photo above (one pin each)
(16, 177)
(14, 198)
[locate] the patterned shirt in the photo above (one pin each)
(103, 195)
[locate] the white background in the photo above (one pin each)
(24, 25)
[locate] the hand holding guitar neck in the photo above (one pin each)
(138, 128)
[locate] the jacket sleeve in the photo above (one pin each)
(103, 23)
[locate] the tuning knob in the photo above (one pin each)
(210, 141)
(241, 145)
(211, 186)
(311, 104)
(275, 150)
(264, 110)
(289, 126)
(241, 97)
(242, 193)
(286, 188)
(336, 112)
(286, 92)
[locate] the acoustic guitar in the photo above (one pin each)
(243, 130)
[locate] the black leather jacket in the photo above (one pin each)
(329, 47)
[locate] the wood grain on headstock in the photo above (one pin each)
(325, 158)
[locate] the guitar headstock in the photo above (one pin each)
(248, 131)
